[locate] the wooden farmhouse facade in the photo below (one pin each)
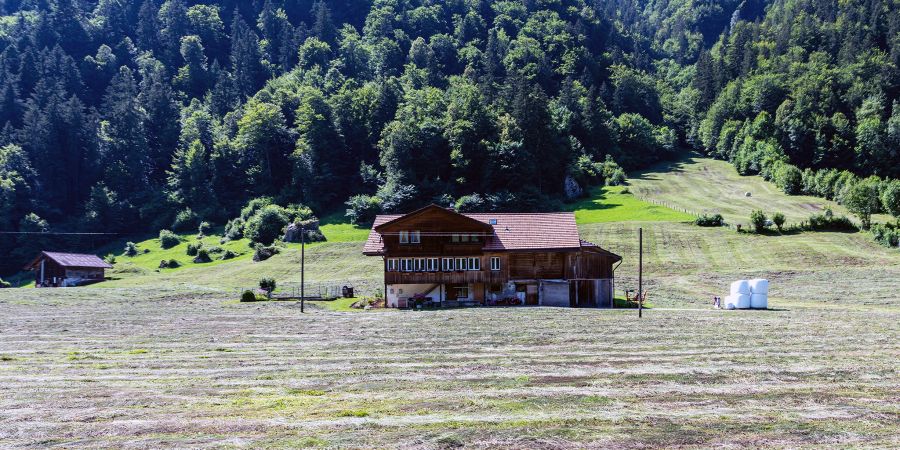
(52, 269)
(443, 258)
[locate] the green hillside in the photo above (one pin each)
(684, 264)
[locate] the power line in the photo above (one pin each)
(49, 233)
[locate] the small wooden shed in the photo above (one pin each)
(53, 269)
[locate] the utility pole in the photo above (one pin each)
(302, 267)
(640, 272)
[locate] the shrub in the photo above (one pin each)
(168, 239)
(185, 220)
(789, 178)
(110, 259)
(202, 256)
(890, 198)
(4, 284)
(758, 219)
(130, 249)
(193, 247)
(228, 254)
(862, 199)
(886, 234)
(169, 264)
(215, 250)
(266, 225)
(262, 253)
(362, 209)
(710, 220)
(204, 228)
(616, 178)
(827, 222)
(778, 219)
(248, 296)
(268, 285)
(471, 203)
(234, 229)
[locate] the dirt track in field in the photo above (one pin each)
(141, 369)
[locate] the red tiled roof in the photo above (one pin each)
(512, 231)
(73, 260)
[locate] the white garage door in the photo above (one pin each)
(555, 294)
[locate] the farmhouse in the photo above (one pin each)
(436, 256)
(53, 269)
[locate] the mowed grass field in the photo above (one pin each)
(136, 368)
(169, 358)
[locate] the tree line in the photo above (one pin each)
(127, 116)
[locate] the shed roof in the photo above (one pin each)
(510, 231)
(71, 260)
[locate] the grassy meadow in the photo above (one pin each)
(169, 358)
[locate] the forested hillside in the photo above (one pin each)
(130, 116)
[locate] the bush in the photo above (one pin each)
(362, 209)
(110, 259)
(185, 220)
(710, 220)
(262, 253)
(234, 229)
(890, 198)
(827, 222)
(202, 256)
(788, 178)
(886, 234)
(266, 225)
(778, 219)
(169, 264)
(228, 254)
(204, 228)
(862, 199)
(168, 239)
(471, 203)
(5, 284)
(758, 219)
(268, 285)
(193, 248)
(131, 249)
(248, 296)
(215, 250)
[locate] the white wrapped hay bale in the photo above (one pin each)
(759, 286)
(759, 301)
(742, 301)
(730, 302)
(740, 287)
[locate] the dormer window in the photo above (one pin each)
(492, 221)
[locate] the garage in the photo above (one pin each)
(555, 293)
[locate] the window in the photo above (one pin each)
(475, 238)
(406, 265)
(404, 237)
(454, 238)
(447, 264)
(415, 237)
(460, 263)
(474, 263)
(420, 264)
(492, 221)
(432, 264)
(462, 292)
(391, 265)
(464, 238)
(495, 263)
